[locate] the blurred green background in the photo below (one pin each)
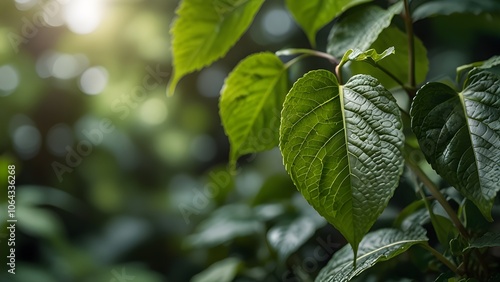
(117, 182)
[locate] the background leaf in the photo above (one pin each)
(251, 102)
(377, 246)
(428, 8)
(360, 28)
(205, 30)
(397, 64)
(489, 239)
(342, 147)
(312, 15)
(459, 135)
(221, 271)
(287, 237)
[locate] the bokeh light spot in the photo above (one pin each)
(153, 111)
(58, 137)
(210, 81)
(9, 80)
(94, 80)
(83, 16)
(27, 141)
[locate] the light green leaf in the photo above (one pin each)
(459, 134)
(342, 147)
(375, 247)
(221, 271)
(312, 15)
(397, 64)
(360, 28)
(369, 55)
(205, 30)
(288, 237)
(251, 102)
(489, 239)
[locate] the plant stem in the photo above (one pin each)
(434, 190)
(411, 49)
(295, 51)
(440, 257)
(295, 60)
(389, 74)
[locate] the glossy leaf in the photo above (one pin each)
(312, 15)
(205, 30)
(341, 145)
(459, 134)
(288, 237)
(375, 247)
(360, 28)
(251, 102)
(221, 271)
(397, 64)
(428, 8)
(489, 239)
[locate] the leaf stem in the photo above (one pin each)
(296, 51)
(440, 257)
(411, 49)
(434, 190)
(295, 60)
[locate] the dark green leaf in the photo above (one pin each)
(429, 8)
(251, 102)
(360, 28)
(489, 239)
(459, 134)
(397, 64)
(375, 247)
(221, 271)
(342, 147)
(205, 30)
(312, 15)
(288, 237)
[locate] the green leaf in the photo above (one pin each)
(251, 102)
(342, 147)
(459, 135)
(377, 246)
(221, 271)
(397, 64)
(489, 239)
(428, 8)
(312, 15)
(205, 30)
(369, 55)
(491, 65)
(360, 28)
(288, 237)
(223, 225)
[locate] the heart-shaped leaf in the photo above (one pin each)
(251, 102)
(375, 247)
(312, 15)
(341, 145)
(459, 134)
(205, 30)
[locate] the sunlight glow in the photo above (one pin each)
(84, 16)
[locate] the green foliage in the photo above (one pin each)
(251, 102)
(205, 30)
(343, 141)
(341, 145)
(458, 133)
